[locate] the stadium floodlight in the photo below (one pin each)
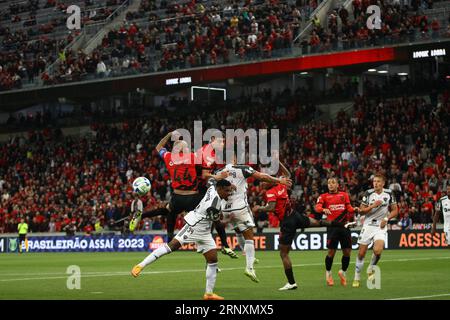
(372, 70)
(304, 73)
(402, 73)
(209, 88)
(382, 71)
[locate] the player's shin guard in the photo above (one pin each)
(211, 275)
(345, 263)
(161, 251)
(328, 262)
(241, 240)
(249, 249)
(358, 268)
(26, 245)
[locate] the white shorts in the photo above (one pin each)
(241, 219)
(200, 234)
(371, 234)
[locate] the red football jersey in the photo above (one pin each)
(183, 172)
(207, 155)
(279, 195)
(339, 205)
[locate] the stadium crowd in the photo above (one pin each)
(169, 35)
(68, 183)
(33, 35)
(401, 22)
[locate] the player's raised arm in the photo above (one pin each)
(163, 142)
(268, 178)
(284, 171)
(206, 174)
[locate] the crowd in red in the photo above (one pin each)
(32, 37)
(61, 182)
(400, 22)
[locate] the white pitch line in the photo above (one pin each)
(422, 297)
(91, 275)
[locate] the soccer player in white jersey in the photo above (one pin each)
(379, 206)
(238, 210)
(443, 206)
(197, 229)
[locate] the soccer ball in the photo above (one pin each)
(141, 185)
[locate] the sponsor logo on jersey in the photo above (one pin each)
(336, 207)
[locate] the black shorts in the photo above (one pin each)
(336, 235)
(22, 237)
(179, 203)
(289, 227)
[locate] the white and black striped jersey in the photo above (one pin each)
(238, 175)
(207, 210)
(443, 205)
(375, 215)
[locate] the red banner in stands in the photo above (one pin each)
(304, 63)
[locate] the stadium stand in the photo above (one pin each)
(173, 35)
(66, 182)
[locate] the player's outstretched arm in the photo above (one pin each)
(163, 142)
(267, 178)
(206, 175)
(269, 207)
(284, 171)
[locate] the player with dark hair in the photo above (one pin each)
(336, 206)
(209, 164)
(290, 223)
(197, 230)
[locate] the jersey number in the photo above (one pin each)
(179, 178)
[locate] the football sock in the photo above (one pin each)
(152, 257)
(249, 249)
(345, 262)
(211, 274)
(241, 240)
(289, 275)
(358, 269)
(222, 234)
(171, 219)
(328, 263)
(155, 213)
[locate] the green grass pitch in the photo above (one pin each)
(417, 274)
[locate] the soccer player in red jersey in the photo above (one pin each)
(336, 206)
(290, 220)
(183, 173)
